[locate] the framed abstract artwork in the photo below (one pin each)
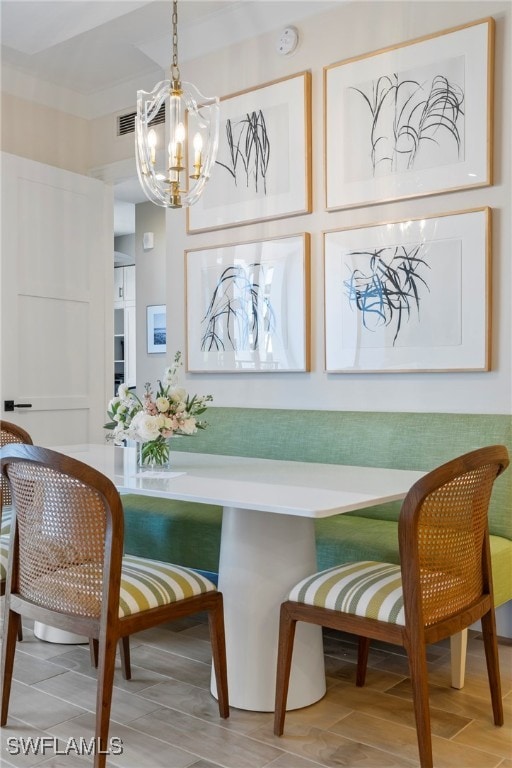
(410, 120)
(248, 306)
(263, 165)
(409, 295)
(156, 327)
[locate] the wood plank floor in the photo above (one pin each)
(166, 717)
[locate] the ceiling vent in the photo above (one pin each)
(126, 123)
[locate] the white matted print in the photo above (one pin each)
(248, 306)
(409, 295)
(156, 328)
(411, 120)
(263, 165)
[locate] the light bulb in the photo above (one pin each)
(198, 145)
(180, 132)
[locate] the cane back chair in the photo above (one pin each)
(67, 570)
(442, 586)
(10, 433)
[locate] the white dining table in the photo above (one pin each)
(267, 545)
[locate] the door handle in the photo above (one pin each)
(10, 405)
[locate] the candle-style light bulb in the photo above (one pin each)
(180, 133)
(152, 145)
(198, 146)
(179, 137)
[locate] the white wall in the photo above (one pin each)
(151, 268)
(351, 30)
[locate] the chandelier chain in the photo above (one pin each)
(175, 70)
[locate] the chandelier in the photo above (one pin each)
(176, 176)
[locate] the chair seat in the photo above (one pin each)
(148, 584)
(145, 584)
(366, 588)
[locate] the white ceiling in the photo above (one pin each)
(93, 45)
(88, 50)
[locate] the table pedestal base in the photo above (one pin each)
(56, 635)
(262, 556)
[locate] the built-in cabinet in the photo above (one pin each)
(124, 327)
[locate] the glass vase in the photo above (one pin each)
(154, 454)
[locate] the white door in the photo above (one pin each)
(56, 294)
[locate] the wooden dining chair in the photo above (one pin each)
(442, 586)
(67, 570)
(9, 433)
(12, 433)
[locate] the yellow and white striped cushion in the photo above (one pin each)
(366, 588)
(4, 554)
(147, 584)
(5, 523)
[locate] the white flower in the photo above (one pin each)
(188, 427)
(178, 395)
(147, 427)
(113, 402)
(123, 391)
(162, 404)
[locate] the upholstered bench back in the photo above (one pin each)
(400, 440)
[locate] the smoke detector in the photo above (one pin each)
(287, 41)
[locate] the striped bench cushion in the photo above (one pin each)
(366, 588)
(4, 554)
(148, 584)
(5, 523)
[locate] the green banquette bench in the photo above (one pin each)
(189, 534)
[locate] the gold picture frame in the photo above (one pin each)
(409, 296)
(410, 120)
(263, 165)
(248, 306)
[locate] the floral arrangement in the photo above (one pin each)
(152, 420)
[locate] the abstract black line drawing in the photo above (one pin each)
(390, 288)
(407, 114)
(249, 150)
(238, 309)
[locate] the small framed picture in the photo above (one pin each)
(409, 296)
(248, 306)
(157, 329)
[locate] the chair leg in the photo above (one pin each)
(12, 625)
(218, 643)
(363, 648)
(493, 665)
(284, 662)
(419, 679)
(105, 683)
(20, 632)
(124, 652)
(458, 646)
(93, 650)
